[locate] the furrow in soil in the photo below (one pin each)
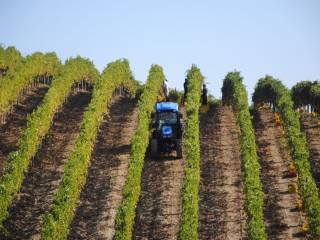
(16, 121)
(283, 219)
(158, 213)
(311, 126)
(221, 209)
(102, 193)
(45, 171)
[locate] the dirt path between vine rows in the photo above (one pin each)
(102, 193)
(221, 208)
(158, 213)
(16, 122)
(311, 126)
(45, 171)
(283, 219)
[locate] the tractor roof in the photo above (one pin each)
(167, 106)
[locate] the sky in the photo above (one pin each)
(276, 37)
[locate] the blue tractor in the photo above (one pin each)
(167, 130)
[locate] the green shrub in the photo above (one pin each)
(306, 93)
(38, 126)
(132, 189)
(57, 221)
(234, 93)
(10, 59)
(190, 190)
(281, 99)
(12, 85)
(175, 96)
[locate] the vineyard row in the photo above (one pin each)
(17, 73)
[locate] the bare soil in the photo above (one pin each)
(311, 126)
(221, 209)
(16, 121)
(159, 209)
(102, 194)
(283, 219)
(45, 171)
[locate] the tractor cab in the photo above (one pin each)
(166, 129)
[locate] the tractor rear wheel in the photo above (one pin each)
(179, 149)
(154, 148)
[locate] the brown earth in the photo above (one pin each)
(45, 171)
(158, 213)
(102, 194)
(283, 219)
(311, 126)
(16, 121)
(221, 208)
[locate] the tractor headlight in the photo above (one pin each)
(166, 131)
